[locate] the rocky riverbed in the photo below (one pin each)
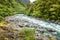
(44, 30)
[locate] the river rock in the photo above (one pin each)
(41, 27)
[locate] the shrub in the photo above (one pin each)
(1, 18)
(28, 34)
(8, 8)
(49, 9)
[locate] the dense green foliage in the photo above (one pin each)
(9, 7)
(46, 9)
(27, 34)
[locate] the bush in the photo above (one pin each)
(27, 34)
(8, 8)
(1, 18)
(47, 9)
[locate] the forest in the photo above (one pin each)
(46, 9)
(9, 7)
(23, 20)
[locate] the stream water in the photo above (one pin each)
(41, 23)
(21, 20)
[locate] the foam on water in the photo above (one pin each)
(40, 22)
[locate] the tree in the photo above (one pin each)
(10, 7)
(47, 9)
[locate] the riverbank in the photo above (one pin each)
(10, 32)
(42, 27)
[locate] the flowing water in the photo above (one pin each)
(21, 20)
(41, 23)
